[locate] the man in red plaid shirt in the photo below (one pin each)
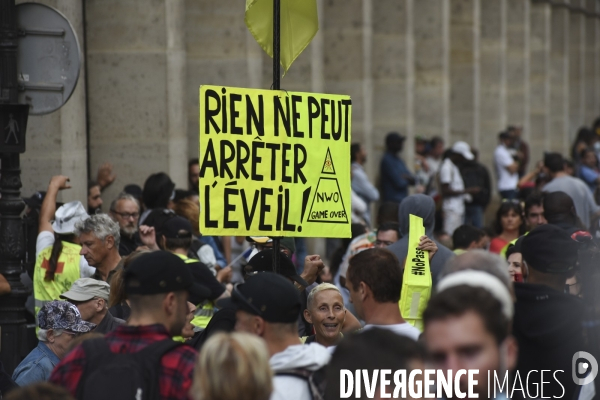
(157, 286)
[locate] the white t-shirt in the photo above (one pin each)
(449, 174)
(502, 159)
(404, 329)
(46, 239)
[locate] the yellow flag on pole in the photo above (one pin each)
(299, 23)
(416, 281)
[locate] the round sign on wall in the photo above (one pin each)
(48, 59)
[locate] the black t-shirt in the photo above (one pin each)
(127, 245)
(548, 327)
(204, 276)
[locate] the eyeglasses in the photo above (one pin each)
(127, 215)
(383, 243)
(514, 201)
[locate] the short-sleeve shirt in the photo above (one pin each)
(450, 174)
(46, 239)
(502, 159)
(404, 329)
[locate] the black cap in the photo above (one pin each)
(268, 295)
(35, 201)
(176, 228)
(549, 249)
(161, 272)
(514, 247)
(263, 262)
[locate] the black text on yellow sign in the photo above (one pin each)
(274, 163)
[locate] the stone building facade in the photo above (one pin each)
(459, 69)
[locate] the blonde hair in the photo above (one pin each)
(319, 288)
(233, 366)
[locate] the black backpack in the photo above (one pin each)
(317, 380)
(116, 376)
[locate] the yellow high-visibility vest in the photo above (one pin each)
(67, 272)
(204, 310)
(416, 281)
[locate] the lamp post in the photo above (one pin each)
(13, 122)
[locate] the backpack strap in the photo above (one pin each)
(97, 351)
(295, 372)
(155, 351)
(316, 380)
(150, 357)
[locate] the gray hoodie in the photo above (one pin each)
(422, 206)
(310, 357)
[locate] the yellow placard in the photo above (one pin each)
(274, 163)
(416, 281)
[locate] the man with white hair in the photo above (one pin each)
(99, 236)
(59, 322)
(125, 209)
(90, 296)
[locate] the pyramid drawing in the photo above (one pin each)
(328, 205)
(328, 167)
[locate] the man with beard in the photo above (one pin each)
(125, 210)
(193, 174)
(157, 285)
(104, 178)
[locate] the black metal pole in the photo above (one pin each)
(276, 44)
(13, 339)
(276, 86)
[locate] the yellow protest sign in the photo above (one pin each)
(416, 281)
(274, 163)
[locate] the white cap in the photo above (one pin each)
(463, 149)
(67, 216)
(484, 280)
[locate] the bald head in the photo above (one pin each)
(559, 207)
(480, 260)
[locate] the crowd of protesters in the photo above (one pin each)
(131, 301)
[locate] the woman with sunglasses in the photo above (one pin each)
(509, 225)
